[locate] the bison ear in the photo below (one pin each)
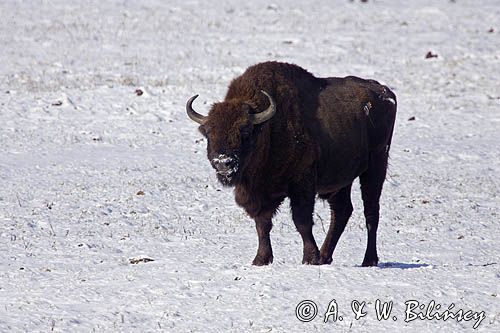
(203, 130)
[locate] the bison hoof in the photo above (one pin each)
(370, 262)
(310, 261)
(311, 258)
(325, 260)
(262, 260)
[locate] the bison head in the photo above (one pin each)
(230, 129)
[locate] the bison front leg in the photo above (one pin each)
(302, 205)
(265, 252)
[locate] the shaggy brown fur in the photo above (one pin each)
(326, 132)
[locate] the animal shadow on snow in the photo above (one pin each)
(401, 265)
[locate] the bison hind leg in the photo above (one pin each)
(371, 182)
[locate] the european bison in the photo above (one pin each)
(281, 132)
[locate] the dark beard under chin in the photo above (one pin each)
(228, 180)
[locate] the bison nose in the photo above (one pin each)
(224, 163)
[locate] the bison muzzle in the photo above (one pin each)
(282, 132)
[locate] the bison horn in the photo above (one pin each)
(264, 115)
(195, 116)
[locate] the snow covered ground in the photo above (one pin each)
(94, 174)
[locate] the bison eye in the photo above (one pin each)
(246, 132)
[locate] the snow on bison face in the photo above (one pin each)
(229, 129)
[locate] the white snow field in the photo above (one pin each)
(94, 174)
